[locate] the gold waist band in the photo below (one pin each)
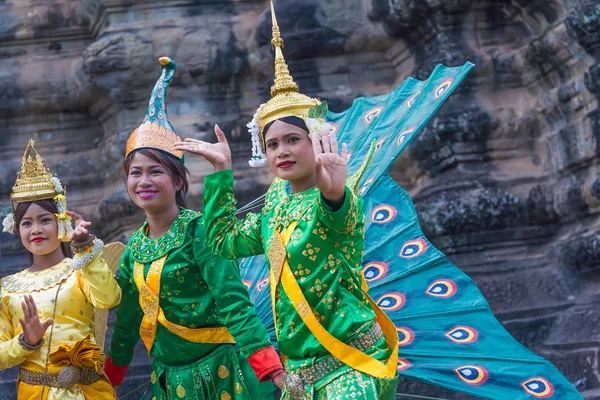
(66, 378)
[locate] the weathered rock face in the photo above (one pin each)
(505, 177)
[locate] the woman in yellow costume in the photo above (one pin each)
(47, 311)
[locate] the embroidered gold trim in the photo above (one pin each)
(148, 299)
(152, 135)
(26, 282)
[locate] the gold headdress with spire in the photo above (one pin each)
(285, 97)
(286, 100)
(36, 182)
(156, 132)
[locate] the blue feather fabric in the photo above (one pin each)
(448, 335)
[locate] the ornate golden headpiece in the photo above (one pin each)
(285, 99)
(156, 132)
(36, 182)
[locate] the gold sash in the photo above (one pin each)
(153, 314)
(354, 358)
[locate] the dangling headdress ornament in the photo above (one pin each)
(285, 101)
(35, 182)
(156, 132)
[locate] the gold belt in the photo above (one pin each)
(66, 378)
(296, 380)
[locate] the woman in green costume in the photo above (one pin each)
(335, 341)
(188, 306)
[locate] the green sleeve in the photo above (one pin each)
(345, 219)
(231, 298)
(129, 316)
(227, 236)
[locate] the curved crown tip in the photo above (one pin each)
(165, 60)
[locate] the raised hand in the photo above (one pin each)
(331, 169)
(80, 233)
(33, 328)
(218, 154)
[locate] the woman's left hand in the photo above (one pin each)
(279, 380)
(80, 233)
(331, 169)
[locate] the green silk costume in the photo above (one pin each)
(448, 336)
(188, 306)
(325, 255)
(446, 333)
(197, 290)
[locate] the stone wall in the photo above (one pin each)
(505, 177)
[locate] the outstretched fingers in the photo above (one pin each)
(221, 138)
(344, 153)
(316, 143)
(32, 305)
(25, 309)
(76, 216)
(29, 308)
(46, 324)
(193, 146)
(333, 142)
(325, 142)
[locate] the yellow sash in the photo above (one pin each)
(153, 314)
(350, 356)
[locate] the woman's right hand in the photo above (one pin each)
(218, 154)
(33, 328)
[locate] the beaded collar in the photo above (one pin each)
(145, 250)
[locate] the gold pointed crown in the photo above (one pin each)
(285, 99)
(156, 132)
(34, 181)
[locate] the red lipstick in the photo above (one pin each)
(286, 164)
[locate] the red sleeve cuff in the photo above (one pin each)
(115, 373)
(264, 362)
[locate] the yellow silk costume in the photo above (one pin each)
(73, 342)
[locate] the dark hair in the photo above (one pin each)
(296, 121)
(175, 168)
(48, 205)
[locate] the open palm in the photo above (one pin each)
(331, 168)
(218, 154)
(33, 328)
